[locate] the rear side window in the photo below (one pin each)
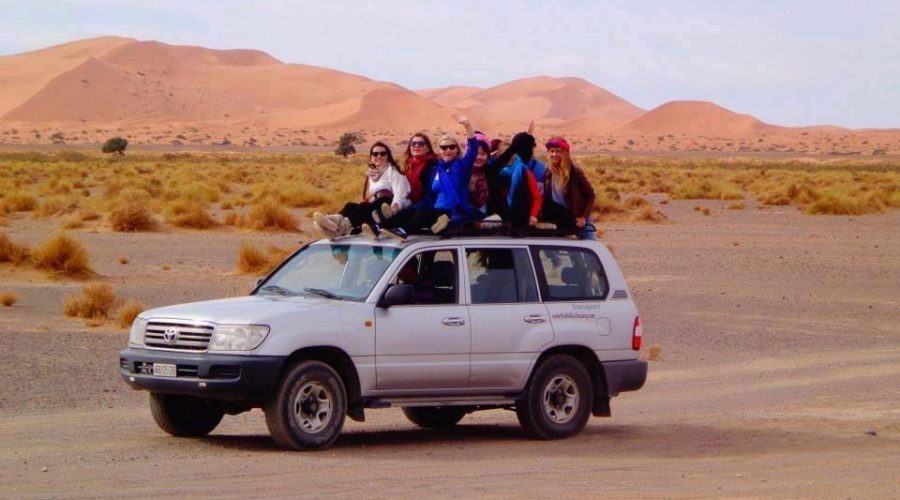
(569, 274)
(500, 276)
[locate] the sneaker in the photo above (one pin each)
(376, 217)
(545, 225)
(367, 231)
(324, 222)
(440, 224)
(492, 218)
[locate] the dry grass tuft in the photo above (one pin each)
(12, 252)
(654, 353)
(63, 255)
(8, 298)
(736, 205)
(270, 215)
(838, 203)
(128, 311)
(706, 189)
(131, 217)
(95, 302)
(189, 213)
(252, 260)
(648, 214)
(123, 260)
(635, 202)
(19, 202)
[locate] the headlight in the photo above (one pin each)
(136, 335)
(237, 337)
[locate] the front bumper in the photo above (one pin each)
(217, 376)
(625, 375)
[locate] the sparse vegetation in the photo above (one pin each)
(12, 252)
(8, 298)
(252, 260)
(132, 216)
(95, 301)
(62, 255)
(115, 145)
(128, 311)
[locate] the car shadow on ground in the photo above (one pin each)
(675, 440)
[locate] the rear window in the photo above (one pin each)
(570, 274)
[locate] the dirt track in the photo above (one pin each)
(780, 338)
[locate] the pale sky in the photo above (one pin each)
(788, 62)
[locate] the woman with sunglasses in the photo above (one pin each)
(568, 195)
(383, 185)
(446, 192)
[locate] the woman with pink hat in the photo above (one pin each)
(568, 195)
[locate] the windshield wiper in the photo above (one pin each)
(323, 293)
(280, 290)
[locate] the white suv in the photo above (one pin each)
(439, 327)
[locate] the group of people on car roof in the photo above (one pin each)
(431, 190)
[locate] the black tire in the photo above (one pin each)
(308, 409)
(557, 400)
(185, 416)
(435, 417)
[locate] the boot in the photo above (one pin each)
(325, 221)
(367, 231)
(326, 233)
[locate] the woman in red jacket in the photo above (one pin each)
(568, 195)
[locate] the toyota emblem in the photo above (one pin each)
(170, 335)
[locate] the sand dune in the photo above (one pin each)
(696, 118)
(154, 92)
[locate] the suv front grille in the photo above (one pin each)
(187, 336)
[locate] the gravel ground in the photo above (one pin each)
(779, 376)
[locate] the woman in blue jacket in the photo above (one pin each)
(449, 189)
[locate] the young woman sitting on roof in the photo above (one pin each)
(515, 193)
(568, 195)
(447, 194)
(383, 185)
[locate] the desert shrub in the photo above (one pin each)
(833, 202)
(188, 213)
(57, 205)
(62, 255)
(304, 195)
(19, 202)
(706, 189)
(95, 301)
(345, 144)
(12, 252)
(647, 214)
(252, 260)
(736, 205)
(131, 216)
(128, 311)
(115, 145)
(270, 215)
(8, 298)
(635, 202)
(606, 202)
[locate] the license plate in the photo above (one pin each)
(164, 370)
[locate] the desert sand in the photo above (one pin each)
(152, 93)
(777, 377)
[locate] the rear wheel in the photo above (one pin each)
(308, 410)
(557, 401)
(185, 416)
(434, 416)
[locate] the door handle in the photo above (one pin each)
(453, 321)
(534, 318)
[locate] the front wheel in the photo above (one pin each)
(185, 416)
(434, 417)
(557, 401)
(308, 410)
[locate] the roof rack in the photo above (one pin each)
(500, 228)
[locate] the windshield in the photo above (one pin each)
(334, 271)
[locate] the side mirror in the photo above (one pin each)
(398, 295)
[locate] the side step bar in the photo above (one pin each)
(388, 402)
